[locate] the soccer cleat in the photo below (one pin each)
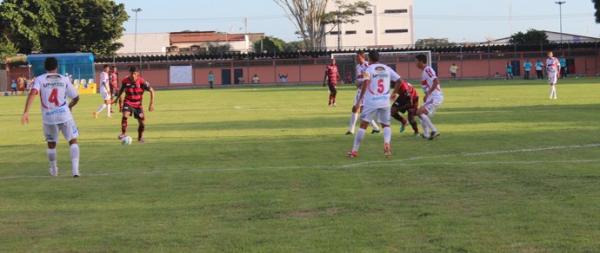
(352, 154)
(95, 115)
(141, 140)
(375, 131)
(75, 176)
(402, 128)
(349, 133)
(387, 150)
(424, 136)
(121, 136)
(53, 172)
(434, 135)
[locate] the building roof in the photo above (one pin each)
(205, 36)
(554, 37)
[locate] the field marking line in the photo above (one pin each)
(396, 162)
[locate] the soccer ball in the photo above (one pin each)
(127, 140)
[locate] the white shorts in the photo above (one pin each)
(433, 103)
(552, 77)
(68, 129)
(381, 115)
(105, 95)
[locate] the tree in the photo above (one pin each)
(597, 14)
(7, 48)
(53, 26)
(90, 26)
(270, 45)
(310, 17)
(531, 37)
(294, 46)
(431, 42)
(23, 22)
(218, 49)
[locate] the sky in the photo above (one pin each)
(457, 20)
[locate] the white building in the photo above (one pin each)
(147, 43)
(388, 23)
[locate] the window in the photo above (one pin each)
(350, 32)
(396, 11)
(369, 31)
(396, 31)
(369, 12)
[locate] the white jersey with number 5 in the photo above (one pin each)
(427, 80)
(378, 92)
(54, 90)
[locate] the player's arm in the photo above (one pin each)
(73, 103)
(151, 107)
(325, 78)
(396, 91)
(435, 86)
(32, 94)
(120, 97)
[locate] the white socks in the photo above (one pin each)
(428, 127)
(75, 159)
(353, 120)
(102, 107)
(358, 139)
(52, 159)
(375, 126)
(553, 94)
(387, 135)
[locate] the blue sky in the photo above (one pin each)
(458, 20)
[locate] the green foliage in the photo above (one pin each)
(218, 49)
(53, 26)
(7, 48)
(346, 12)
(434, 43)
(294, 46)
(270, 45)
(531, 37)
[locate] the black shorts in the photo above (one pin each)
(403, 105)
(332, 88)
(137, 112)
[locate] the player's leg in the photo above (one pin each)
(70, 132)
(126, 115)
(353, 119)
(384, 115)
(413, 121)
(332, 94)
(141, 124)
(428, 128)
(51, 134)
(395, 111)
(100, 109)
(366, 116)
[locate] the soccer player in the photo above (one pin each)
(134, 86)
(362, 65)
(433, 97)
(553, 71)
(407, 100)
(54, 89)
(375, 95)
(105, 93)
(331, 78)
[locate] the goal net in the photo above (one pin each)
(402, 61)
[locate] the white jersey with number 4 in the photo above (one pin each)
(378, 92)
(427, 81)
(54, 90)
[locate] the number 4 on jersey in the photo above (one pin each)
(54, 97)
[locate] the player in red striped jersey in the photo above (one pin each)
(134, 86)
(331, 77)
(406, 100)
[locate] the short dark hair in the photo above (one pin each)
(422, 58)
(360, 52)
(133, 69)
(51, 64)
(105, 66)
(373, 56)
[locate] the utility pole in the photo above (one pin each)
(136, 10)
(560, 4)
(339, 26)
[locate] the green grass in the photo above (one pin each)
(263, 170)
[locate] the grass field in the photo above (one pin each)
(264, 170)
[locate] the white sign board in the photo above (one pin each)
(180, 75)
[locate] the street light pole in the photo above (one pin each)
(560, 4)
(136, 10)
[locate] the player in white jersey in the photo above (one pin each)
(433, 97)
(362, 65)
(376, 95)
(54, 89)
(105, 93)
(553, 71)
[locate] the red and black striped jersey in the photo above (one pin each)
(134, 91)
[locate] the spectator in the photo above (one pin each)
(20, 84)
(527, 66)
(563, 67)
(240, 80)
(509, 71)
(211, 79)
(283, 78)
(13, 88)
(453, 70)
(255, 79)
(539, 69)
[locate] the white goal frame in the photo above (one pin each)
(425, 52)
